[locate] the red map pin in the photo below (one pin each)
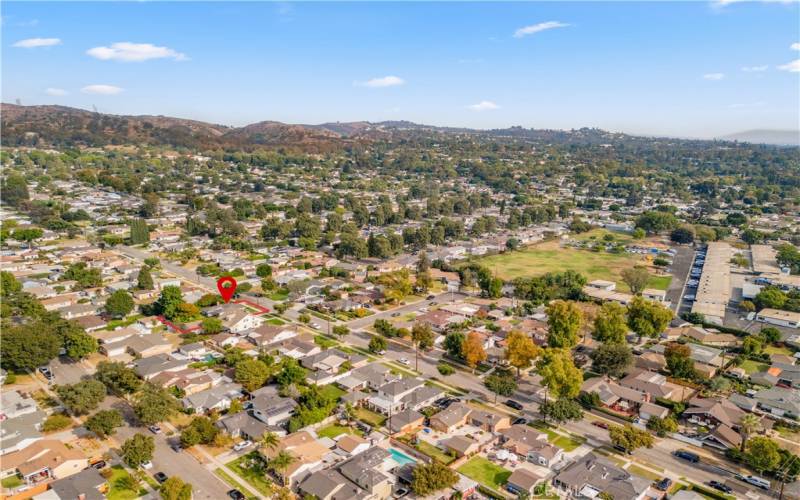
(226, 287)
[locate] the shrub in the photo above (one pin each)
(56, 422)
(445, 369)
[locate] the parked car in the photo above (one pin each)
(602, 425)
(515, 405)
(381, 353)
(400, 492)
(394, 315)
(687, 455)
(755, 481)
(520, 420)
(176, 447)
(404, 361)
(154, 429)
(160, 477)
(244, 444)
(236, 495)
(664, 484)
(146, 465)
(45, 370)
(99, 465)
(430, 297)
(720, 486)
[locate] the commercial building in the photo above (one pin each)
(714, 289)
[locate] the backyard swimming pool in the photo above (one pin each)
(400, 457)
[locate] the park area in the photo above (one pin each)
(550, 256)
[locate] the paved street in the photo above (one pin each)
(681, 264)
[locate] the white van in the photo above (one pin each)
(758, 481)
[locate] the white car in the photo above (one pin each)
(243, 445)
(404, 361)
(147, 465)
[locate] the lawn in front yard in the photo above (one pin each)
(549, 256)
(332, 391)
(369, 417)
(486, 472)
(334, 430)
(567, 443)
(12, 482)
(771, 349)
(751, 366)
(641, 471)
(254, 478)
(115, 492)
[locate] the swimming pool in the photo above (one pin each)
(400, 457)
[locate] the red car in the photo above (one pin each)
(602, 425)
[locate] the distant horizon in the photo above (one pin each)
(300, 124)
(697, 70)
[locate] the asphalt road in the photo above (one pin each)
(681, 264)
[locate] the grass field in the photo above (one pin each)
(567, 443)
(332, 391)
(485, 472)
(369, 417)
(635, 469)
(434, 452)
(751, 366)
(116, 492)
(255, 479)
(332, 431)
(550, 257)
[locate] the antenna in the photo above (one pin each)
(18, 101)
(95, 108)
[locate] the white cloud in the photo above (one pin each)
(795, 46)
(714, 76)
(386, 81)
(792, 67)
(31, 43)
(55, 91)
(754, 69)
(483, 106)
(537, 28)
(134, 52)
(102, 89)
(748, 105)
(723, 3)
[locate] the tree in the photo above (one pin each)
(397, 283)
(661, 426)
(138, 450)
(263, 270)
(280, 462)
(763, 454)
(154, 404)
(473, 351)
(636, 278)
(140, 233)
(341, 330)
(28, 346)
(770, 335)
(612, 359)
(679, 361)
(564, 319)
(82, 397)
(377, 344)
(118, 378)
(175, 489)
(656, 221)
(520, 350)
(683, 235)
(752, 345)
(503, 385)
(453, 343)
(422, 338)
(168, 301)
(15, 190)
(629, 437)
(211, 325)
(647, 318)
(432, 477)
(562, 410)
(79, 344)
(610, 324)
(291, 373)
(270, 440)
(119, 304)
(748, 424)
(145, 280)
(559, 374)
(770, 297)
(252, 374)
(28, 234)
(104, 422)
(201, 430)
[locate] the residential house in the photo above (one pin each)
(779, 401)
(389, 398)
(188, 380)
(149, 367)
(308, 452)
(299, 347)
(273, 409)
(720, 416)
(592, 475)
(405, 421)
(328, 366)
(615, 396)
(525, 441)
(218, 397)
(87, 484)
(267, 335)
(522, 481)
(44, 460)
(244, 425)
(654, 384)
(351, 444)
(235, 318)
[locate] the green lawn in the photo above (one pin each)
(255, 479)
(567, 443)
(597, 234)
(117, 493)
(434, 452)
(233, 483)
(275, 321)
(771, 349)
(332, 391)
(635, 469)
(333, 430)
(278, 296)
(485, 472)
(324, 342)
(751, 366)
(12, 482)
(369, 417)
(549, 257)
(659, 282)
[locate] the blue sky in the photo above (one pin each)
(689, 69)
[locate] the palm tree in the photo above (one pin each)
(748, 424)
(280, 462)
(270, 440)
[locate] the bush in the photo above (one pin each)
(445, 369)
(56, 422)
